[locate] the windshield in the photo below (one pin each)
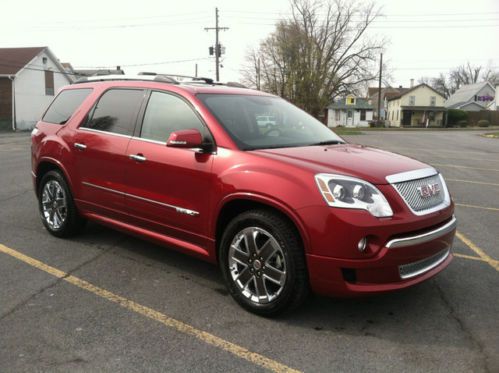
(262, 122)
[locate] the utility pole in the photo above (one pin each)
(218, 48)
(379, 87)
(196, 71)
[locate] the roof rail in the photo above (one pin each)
(103, 78)
(157, 77)
(180, 78)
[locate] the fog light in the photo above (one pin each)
(362, 244)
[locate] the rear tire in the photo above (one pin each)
(263, 263)
(57, 209)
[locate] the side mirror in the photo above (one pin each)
(185, 139)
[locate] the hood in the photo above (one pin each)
(367, 163)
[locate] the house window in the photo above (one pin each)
(49, 83)
(412, 100)
(362, 114)
(337, 115)
(350, 100)
(398, 114)
(433, 100)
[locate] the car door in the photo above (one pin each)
(169, 189)
(100, 144)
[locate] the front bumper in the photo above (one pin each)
(403, 261)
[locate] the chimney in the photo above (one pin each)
(400, 86)
(118, 68)
(412, 83)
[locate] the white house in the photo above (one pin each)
(350, 111)
(419, 106)
(29, 79)
(473, 97)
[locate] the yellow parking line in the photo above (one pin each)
(463, 256)
(150, 313)
(471, 182)
(442, 150)
(477, 207)
(456, 166)
(492, 262)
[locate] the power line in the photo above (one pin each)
(6, 63)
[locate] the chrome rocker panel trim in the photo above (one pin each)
(180, 210)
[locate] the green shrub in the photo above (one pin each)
(462, 123)
(483, 123)
(455, 116)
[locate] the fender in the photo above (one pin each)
(59, 165)
(278, 205)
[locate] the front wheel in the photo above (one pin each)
(263, 263)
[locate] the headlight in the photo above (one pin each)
(351, 193)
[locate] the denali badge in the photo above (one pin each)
(429, 190)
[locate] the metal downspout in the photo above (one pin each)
(12, 79)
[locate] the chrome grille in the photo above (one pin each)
(409, 192)
(421, 266)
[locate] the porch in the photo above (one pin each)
(424, 116)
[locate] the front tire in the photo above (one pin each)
(57, 209)
(263, 263)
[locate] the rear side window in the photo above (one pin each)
(116, 111)
(65, 104)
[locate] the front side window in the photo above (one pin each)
(116, 111)
(412, 100)
(166, 113)
(291, 127)
(433, 100)
(65, 104)
(362, 114)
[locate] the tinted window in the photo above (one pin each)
(65, 105)
(116, 111)
(286, 126)
(166, 113)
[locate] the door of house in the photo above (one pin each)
(406, 117)
(349, 118)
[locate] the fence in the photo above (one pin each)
(490, 115)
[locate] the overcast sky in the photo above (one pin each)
(426, 36)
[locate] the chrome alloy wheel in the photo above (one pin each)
(54, 204)
(257, 265)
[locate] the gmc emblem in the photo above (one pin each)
(429, 190)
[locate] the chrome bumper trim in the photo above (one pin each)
(414, 269)
(424, 237)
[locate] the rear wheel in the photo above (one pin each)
(56, 205)
(263, 263)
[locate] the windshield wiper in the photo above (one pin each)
(328, 142)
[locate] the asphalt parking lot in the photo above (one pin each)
(104, 301)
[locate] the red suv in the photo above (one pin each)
(283, 210)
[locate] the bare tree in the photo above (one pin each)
(320, 52)
(465, 74)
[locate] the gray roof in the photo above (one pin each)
(360, 103)
(465, 94)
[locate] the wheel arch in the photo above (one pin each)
(234, 205)
(47, 164)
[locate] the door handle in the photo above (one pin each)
(138, 157)
(79, 146)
